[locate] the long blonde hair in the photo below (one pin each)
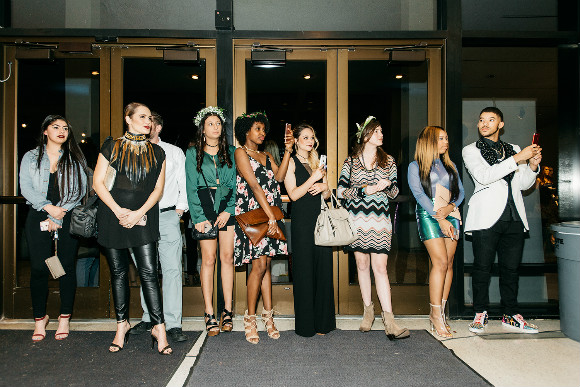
(426, 152)
(313, 154)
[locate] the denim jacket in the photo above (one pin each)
(34, 183)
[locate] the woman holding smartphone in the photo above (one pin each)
(311, 264)
(438, 230)
(53, 180)
(210, 170)
(257, 186)
(128, 218)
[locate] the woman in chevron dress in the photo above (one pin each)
(367, 180)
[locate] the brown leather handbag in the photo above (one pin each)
(254, 224)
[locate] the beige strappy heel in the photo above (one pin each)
(251, 328)
(268, 319)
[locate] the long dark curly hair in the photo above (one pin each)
(72, 163)
(223, 154)
(244, 124)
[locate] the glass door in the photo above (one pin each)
(405, 96)
(47, 81)
(176, 90)
(302, 90)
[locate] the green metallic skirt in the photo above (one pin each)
(429, 227)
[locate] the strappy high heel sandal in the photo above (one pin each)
(114, 348)
(444, 315)
(211, 325)
(436, 321)
(268, 319)
(226, 321)
(251, 328)
(165, 351)
(62, 335)
(36, 337)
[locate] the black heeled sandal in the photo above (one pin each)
(163, 351)
(211, 324)
(125, 340)
(226, 321)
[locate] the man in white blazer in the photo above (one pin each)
(496, 217)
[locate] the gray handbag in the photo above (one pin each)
(334, 226)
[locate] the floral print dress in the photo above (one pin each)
(244, 250)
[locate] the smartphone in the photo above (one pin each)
(455, 234)
(536, 139)
(206, 227)
(142, 221)
(322, 161)
(44, 226)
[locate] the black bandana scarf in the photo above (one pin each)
(490, 155)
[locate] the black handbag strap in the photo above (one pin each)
(208, 192)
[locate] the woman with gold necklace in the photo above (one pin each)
(311, 264)
(211, 179)
(128, 217)
(257, 185)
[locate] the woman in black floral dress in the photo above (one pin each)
(257, 185)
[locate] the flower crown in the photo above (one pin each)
(210, 109)
(253, 115)
(362, 127)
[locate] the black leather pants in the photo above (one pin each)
(147, 262)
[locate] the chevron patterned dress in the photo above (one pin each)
(370, 212)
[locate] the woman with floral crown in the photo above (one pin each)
(211, 178)
(129, 179)
(368, 180)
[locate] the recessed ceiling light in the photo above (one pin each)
(95, 73)
(24, 125)
(307, 76)
(399, 76)
(83, 134)
(195, 76)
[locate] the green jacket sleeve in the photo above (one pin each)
(191, 186)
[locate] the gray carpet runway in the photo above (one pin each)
(84, 360)
(341, 358)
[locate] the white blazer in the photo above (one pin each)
(490, 195)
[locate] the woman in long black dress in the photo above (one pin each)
(128, 217)
(311, 265)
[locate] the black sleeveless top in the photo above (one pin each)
(305, 210)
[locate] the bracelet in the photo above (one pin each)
(272, 221)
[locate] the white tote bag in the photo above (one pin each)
(334, 226)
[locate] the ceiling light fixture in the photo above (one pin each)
(268, 58)
(24, 125)
(194, 76)
(307, 76)
(399, 76)
(95, 73)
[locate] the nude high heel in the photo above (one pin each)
(268, 320)
(436, 321)
(444, 315)
(251, 328)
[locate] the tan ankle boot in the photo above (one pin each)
(368, 318)
(392, 330)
